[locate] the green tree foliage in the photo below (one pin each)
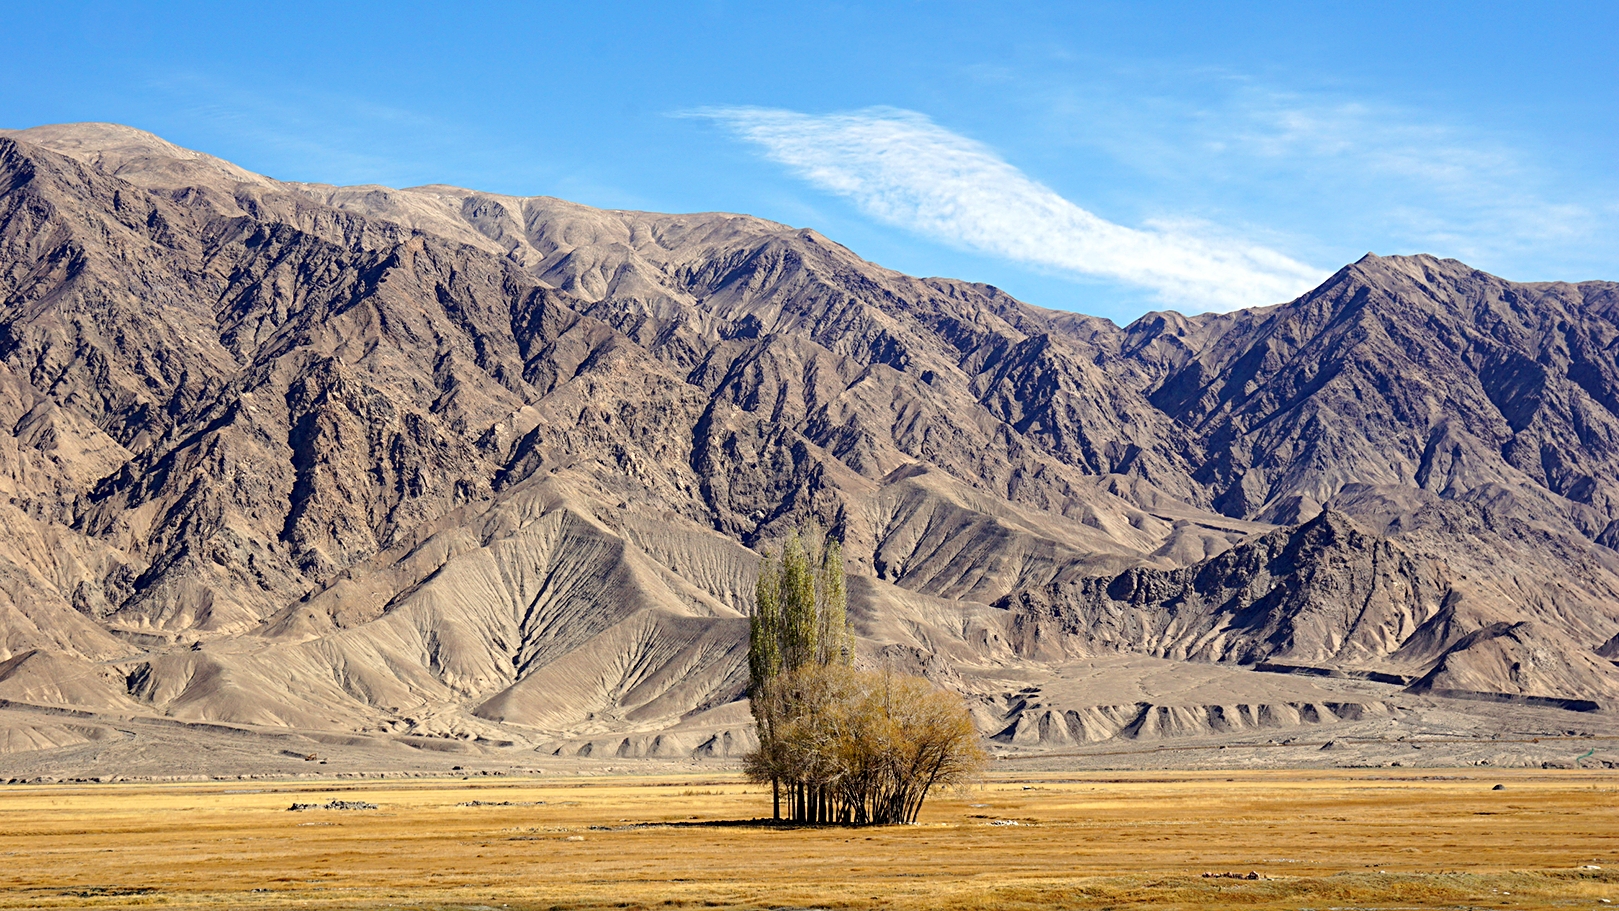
(801, 608)
(848, 746)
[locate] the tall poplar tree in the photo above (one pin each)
(800, 618)
(801, 608)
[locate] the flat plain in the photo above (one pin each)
(1311, 839)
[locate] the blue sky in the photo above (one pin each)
(1103, 157)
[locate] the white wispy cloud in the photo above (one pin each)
(1353, 173)
(1435, 182)
(900, 167)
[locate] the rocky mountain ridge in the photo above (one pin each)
(438, 462)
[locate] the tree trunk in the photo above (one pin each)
(775, 798)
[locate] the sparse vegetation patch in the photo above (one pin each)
(849, 746)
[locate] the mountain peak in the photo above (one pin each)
(135, 155)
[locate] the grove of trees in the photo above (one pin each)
(841, 745)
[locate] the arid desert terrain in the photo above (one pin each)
(1269, 839)
(432, 472)
(441, 512)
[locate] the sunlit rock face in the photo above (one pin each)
(439, 462)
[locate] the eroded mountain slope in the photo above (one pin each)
(434, 461)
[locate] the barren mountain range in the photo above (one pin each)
(438, 465)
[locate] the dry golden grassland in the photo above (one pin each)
(1319, 840)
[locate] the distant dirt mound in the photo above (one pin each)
(29, 737)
